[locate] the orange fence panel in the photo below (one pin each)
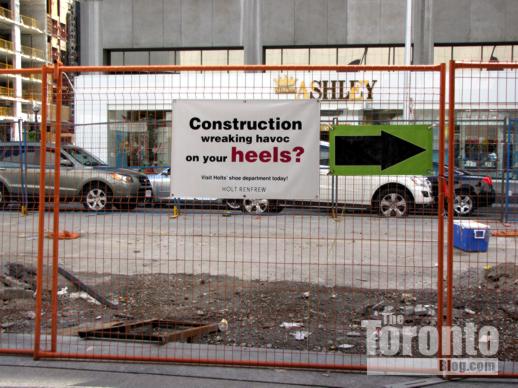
(482, 260)
(20, 224)
(241, 279)
(288, 281)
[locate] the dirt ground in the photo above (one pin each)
(255, 311)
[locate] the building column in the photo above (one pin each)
(251, 31)
(91, 33)
(423, 32)
(16, 38)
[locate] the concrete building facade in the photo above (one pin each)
(295, 32)
(256, 26)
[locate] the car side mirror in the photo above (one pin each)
(66, 163)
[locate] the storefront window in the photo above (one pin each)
(162, 58)
(189, 57)
(351, 55)
(295, 56)
(396, 55)
(467, 53)
(497, 53)
(139, 139)
(136, 58)
(378, 55)
(273, 57)
(236, 57)
(214, 57)
(500, 53)
(442, 54)
(322, 56)
(480, 142)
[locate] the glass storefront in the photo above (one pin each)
(480, 145)
(139, 139)
(142, 139)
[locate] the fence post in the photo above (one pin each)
(440, 210)
(451, 200)
(41, 212)
(55, 242)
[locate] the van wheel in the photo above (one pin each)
(260, 206)
(255, 206)
(4, 201)
(234, 204)
(96, 197)
(393, 203)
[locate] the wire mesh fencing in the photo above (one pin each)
(130, 271)
(482, 257)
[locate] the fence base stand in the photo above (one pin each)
(176, 213)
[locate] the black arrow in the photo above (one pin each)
(385, 150)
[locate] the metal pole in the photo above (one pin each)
(451, 199)
(408, 33)
(23, 151)
(408, 60)
(507, 169)
(440, 211)
(41, 214)
(58, 79)
(24, 137)
(334, 182)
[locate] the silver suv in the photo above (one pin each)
(83, 178)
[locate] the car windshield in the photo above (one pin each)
(83, 157)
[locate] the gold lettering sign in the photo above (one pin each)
(285, 85)
(354, 90)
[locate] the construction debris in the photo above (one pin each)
(153, 330)
(83, 287)
(223, 325)
(12, 282)
(300, 335)
(291, 325)
(84, 296)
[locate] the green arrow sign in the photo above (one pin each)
(380, 149)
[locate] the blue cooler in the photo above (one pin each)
(470, 236)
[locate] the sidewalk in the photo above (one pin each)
(18, 371)
(24, 372)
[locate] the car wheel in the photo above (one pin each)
(393, 203)
(255, 206)
(3, 197)
(233, 204)
(96, 198)
(464, 204)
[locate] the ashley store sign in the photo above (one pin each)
(338, 90)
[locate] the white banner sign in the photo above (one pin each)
(245, 149)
